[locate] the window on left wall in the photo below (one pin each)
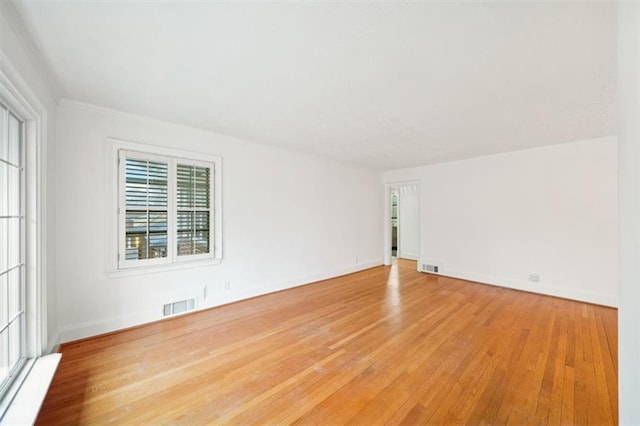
(13, 334)
(24, 341)
(168, 208)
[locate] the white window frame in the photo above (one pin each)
(20, 266)
(16, 95)
(117, 264)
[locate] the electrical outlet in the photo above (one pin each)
(204, 293)
(534, 277)
(356, 260)
(227, 285)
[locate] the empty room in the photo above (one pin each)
(319, 212)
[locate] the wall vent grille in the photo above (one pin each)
(179, 307)
(430, 268)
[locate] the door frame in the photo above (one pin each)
(387, 224)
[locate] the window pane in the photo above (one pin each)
(136, 183)
(202, 187)
(201, 235)
(185, 221)
(146, 183)
(158, 234)
(158, 222)
(14, 140)
(194, 188)
(4, 145)
(136, 233)
(185, 224)
(4, 189)
(4, 245)
(201, 245)
(185, 186)
(146, 216)
(136, 194)
(11, 247)
(194, 201)
(15, 343)
(146, 235)
(13, 238)
(4, 356)
(14, 304)
(4, 315)
(193, 233)
(201, 221)
(13, 191)
(157, 184)
(136, 222)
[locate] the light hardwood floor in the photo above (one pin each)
(386, 345)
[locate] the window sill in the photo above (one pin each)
(24, 408)
(142, 270)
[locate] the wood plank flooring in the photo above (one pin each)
(384, 346)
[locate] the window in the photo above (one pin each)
(167, 208)
(23, 259)
(12, 249)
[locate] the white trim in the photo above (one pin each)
(84, 106)
(159, 269)
(19, 98)
(84, 329)
(386, 236)
(24, 102)
(54, 343)
(38, 62)
(386, 223)
(544, 289)
(114, 267)
(33, 210)
(409, 256)
(29, 397)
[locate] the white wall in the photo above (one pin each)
(550, 211)
(629, 218)
(287, 219)
(23, 68)
(408, 222)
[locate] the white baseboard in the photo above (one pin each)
(69, 333)
(234, 296)
(53, 343)
(549, 290)
(319, 277)
(409, 256)
(95, 327)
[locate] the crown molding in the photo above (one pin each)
(43, 69)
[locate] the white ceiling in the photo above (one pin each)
(386, 85)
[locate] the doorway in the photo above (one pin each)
(394, 223)
(402, 221)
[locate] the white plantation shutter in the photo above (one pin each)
(166, 209)
(146, 214)
(193, 209)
